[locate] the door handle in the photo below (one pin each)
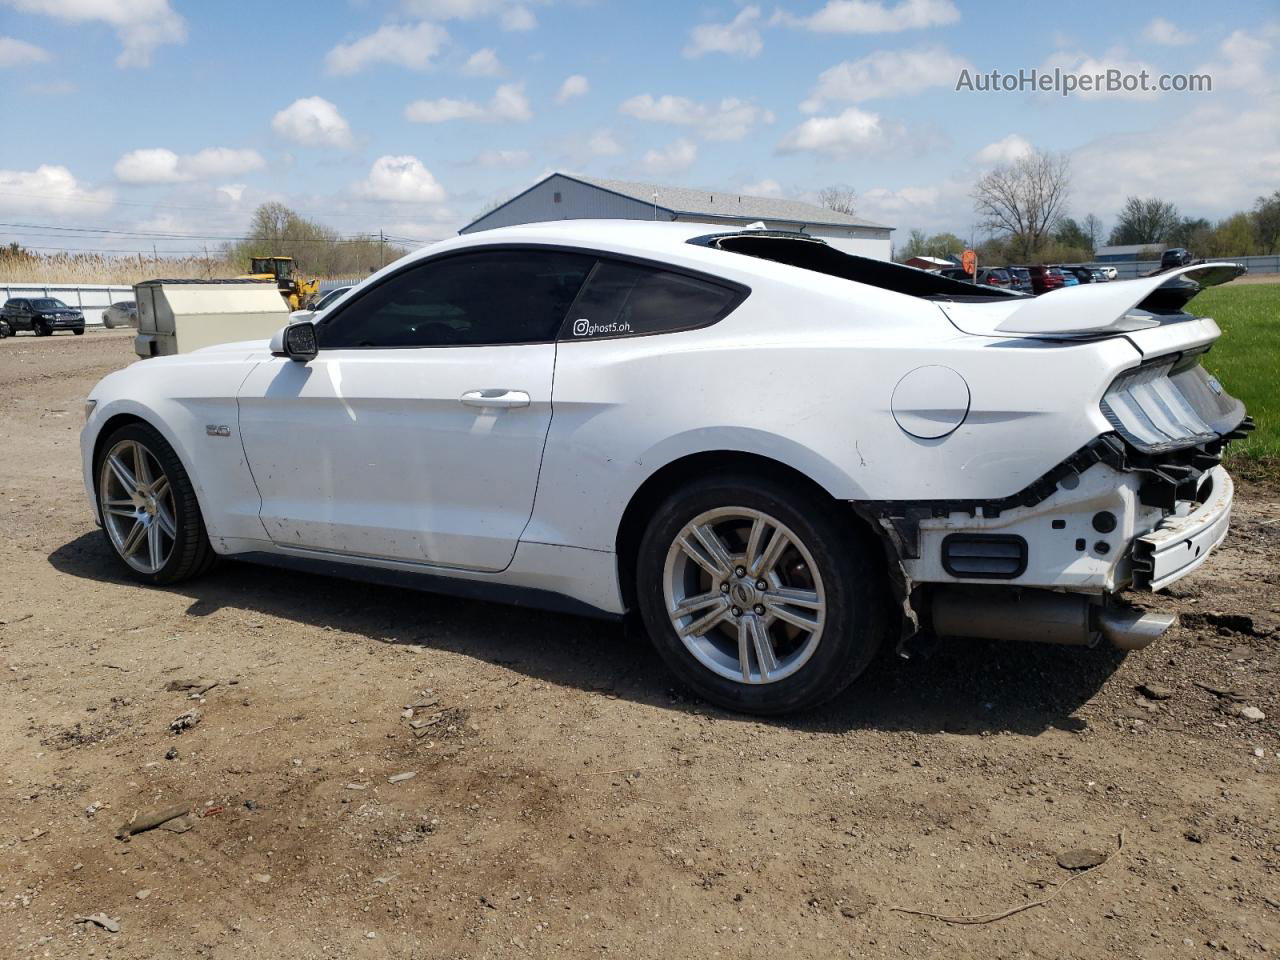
(504, 399)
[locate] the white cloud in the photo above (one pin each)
(141, 25)
(158, 165)
(312, 122)
(409, 45)
(231, 191)
(575, 85)
(1166, 33)
(1244, 59)
(873, 16)
(1006, 150)
(507, 104)
(501, 159)
(739, 37)
(1214, 160)
(401, 180)
(19, 53)
(1114, 59)
(517, 19)
(483, 63)
(849, 132)
(49, 189)
(602, 143)
(676, 157)
(730, 119)
(767, 187)
(512, 15)
(886, 73)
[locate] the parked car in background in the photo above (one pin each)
(122, 314)
(987, 276)
(508, 414)
(1082, 274)
(1069, 279)
(1020, 279)
(1100, 275)
(1175, 257)
(1110, 272)
(1044, 279)
(42, 316)
(321, 304)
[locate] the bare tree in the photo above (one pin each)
(1023, 200)
(839, 199)
(1093, 230)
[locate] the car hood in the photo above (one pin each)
(1085, 310)
(237, 346)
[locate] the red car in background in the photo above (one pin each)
(1044, 279)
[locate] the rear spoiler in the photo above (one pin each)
(1098, 309)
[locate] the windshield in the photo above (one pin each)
(48, 304)
(329, 297)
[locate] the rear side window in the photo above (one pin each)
(630, 300)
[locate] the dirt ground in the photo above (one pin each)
(566, 800)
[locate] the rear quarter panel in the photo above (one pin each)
(803, 373)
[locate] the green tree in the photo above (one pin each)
(276, 230)
(1070, 234)
(1266, 223)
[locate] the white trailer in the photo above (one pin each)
(178, 316)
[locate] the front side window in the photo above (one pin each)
(627, 300)
(48, 304)
(472, 299)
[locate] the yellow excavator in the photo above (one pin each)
(296, 291)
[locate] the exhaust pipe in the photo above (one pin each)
(1041, 616)
(1129, 629)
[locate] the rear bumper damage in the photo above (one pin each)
(1049, 563)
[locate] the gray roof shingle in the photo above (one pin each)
(727, 203)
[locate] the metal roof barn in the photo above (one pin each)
(561, 196)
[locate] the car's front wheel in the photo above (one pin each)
(39, 329)
(760, 597)
(148, 506)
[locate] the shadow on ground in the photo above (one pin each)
(965, 687)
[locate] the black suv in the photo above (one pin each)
(1176, 257)
(42, 316)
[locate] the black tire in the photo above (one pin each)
(39, 329)
(192, 554)
(78, 331)
(852, 574)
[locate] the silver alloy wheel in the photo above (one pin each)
(136, 501)
(744, 595)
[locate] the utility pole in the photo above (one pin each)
(382, 257)
(208, 267)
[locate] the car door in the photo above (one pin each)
(416, 434)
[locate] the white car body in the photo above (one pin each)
(515, 465)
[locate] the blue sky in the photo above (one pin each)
(411, 116)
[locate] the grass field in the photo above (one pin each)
(1247, 361)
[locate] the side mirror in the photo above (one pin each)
(297, 341)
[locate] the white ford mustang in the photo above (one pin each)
(779, 455)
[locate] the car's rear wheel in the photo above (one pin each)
(759, 597)
(148, 506)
